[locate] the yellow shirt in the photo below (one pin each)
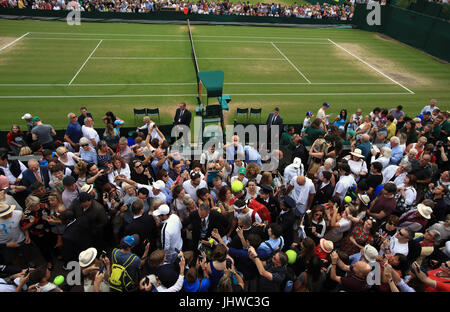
(20, 4)
(391, 130)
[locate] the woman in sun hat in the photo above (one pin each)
(14, 237)
(90, 267)
(357, 164)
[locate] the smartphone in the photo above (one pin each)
(102, 268)
(103, 254)
(145, 242)
(147, 280)
(228, 264)
(27, 271)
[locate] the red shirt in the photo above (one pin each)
(442, 284)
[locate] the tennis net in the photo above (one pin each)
(194, 56)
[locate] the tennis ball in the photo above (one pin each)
(348, 199)
(211, 241)
(237, 186)
(219, 210)
(292, 256)
(58, 280)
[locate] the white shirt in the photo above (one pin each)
(174, 288)
(230, 152)
(161, 194)
(171, 234)
(396, 247)
(290, 172)
(342, 186)
(70, 161)
(191, 190)
(10, 176)
(208, 157)
(384, 161)
(411, 195)
(90, 133)
(125, 171)
(389, 172)
(244, 182)
(301, 193)
(357, 166)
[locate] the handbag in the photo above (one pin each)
(301, 287)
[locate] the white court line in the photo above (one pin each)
(186, 95)
(378, 71)
(187, 58)
(11, 43)
(162, 40)
(85, 62)
(183, 83)
(290, 62)
(183, 36)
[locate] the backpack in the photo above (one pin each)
(120, 280)
(261, 210)
(273, 251)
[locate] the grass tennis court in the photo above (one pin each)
(55, 68)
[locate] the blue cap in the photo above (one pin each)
(289, 201)
(118, 122)
(326, 104)
(265, 189)
(308, 114)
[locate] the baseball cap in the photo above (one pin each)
(36, 119)
(297, 162)
(242, 171)
(326, 104)
(159, 185)
(27, 116)
(162, 210)
(130, 241)
(288, 201)
(266, 189)
(308, 114)
(118, 122)
(68, 181)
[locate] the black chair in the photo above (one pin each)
(139, 112)
(242, 112)
(154, 112)
(255, 112)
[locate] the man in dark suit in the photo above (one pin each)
(144, 225)
(182, 115)
(266, 198)
(76, 236)
(287, 219)
(204, 221)
(300, 151)
(274, 119)
(324, 189)
(35, 172)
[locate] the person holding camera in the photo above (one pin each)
(95, 271)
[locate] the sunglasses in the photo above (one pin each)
(138, 166)
(84, 145)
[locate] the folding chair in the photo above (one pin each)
(242, 112)
(154, 112)
(255, 112)
(139, 112)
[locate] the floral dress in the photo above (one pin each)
(361, 237)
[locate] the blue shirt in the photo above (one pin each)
(397, 154)
(165, 166)
(264, 251)
(89, 157)
(196, 285)
(365, 148)
(74, 132)
(252, 155)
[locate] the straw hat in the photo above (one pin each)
(357, 153)
(87, 256)
(326, 245)
(6, 209)
(424, 211)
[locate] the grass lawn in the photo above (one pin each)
(57, 68)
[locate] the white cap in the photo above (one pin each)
(27, 116)
(162, 210)
(297, 162)
(160, 185)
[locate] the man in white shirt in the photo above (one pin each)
(293, 170)
(171, 240)
(89, 132)
(12, 170)
(396, 174)
(209, 156)
(430, 108)
(345, 182)
(303, 191)
(321, 113)
(156, 190)
(195, 183)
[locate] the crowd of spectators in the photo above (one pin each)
(302, 10)
(358, 202)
